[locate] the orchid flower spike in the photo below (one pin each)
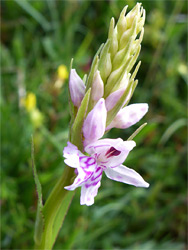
(100, 100)
(106, 155)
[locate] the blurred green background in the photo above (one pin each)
(36, 38)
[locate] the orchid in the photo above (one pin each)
(106, 155)
(98, 103)
(102, 101)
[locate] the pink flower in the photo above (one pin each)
(106, 155)
(112, 99)
(76, 87)
(97, 90)
(95, 123)
(129, 115)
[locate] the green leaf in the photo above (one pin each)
(39, 224)
(172, 129)
(93, 68)
(84, 46)
(135, 71)
(61, 215)
(105, 66)
(115, 77)
(134, 58)
(55, 209)
(111, 28)
(51, 138)
(124, 53)
(103, 55)
(76, 131)
(137, 131)
(49, 48)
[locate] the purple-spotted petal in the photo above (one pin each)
(95, 122)
(129, 115)
(71, 155)
(76, 87)
(79, 180)
(126, 175)
(85, 165)
(88, 164)
(88, 194)
(86, 168)
(90, 189)
(110, 152)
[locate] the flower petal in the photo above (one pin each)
(129, 115)
(95, 122)
(126, 175)
(88, 194)
(90, 189)
(85, 165)
(110, 152)
(79, 180)
(97, 89)
(76, 87)
(86, 168)
(71, 155)
(113, 98)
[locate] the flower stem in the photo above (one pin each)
(58, 201)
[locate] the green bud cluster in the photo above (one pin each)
(116, 58)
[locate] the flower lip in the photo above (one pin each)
(112, 152)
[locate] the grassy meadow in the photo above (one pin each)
(38, 40)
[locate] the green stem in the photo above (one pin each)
(52, 207)
(57, 204)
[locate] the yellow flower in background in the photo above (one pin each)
(183, 69)
(62, 75)
(30, 101)
(30, 104)
(36, 117)
(62, 72)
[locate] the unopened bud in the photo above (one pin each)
(76, 87)
(97, 89)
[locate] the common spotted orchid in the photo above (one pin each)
(106, 155)
(100, 103)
